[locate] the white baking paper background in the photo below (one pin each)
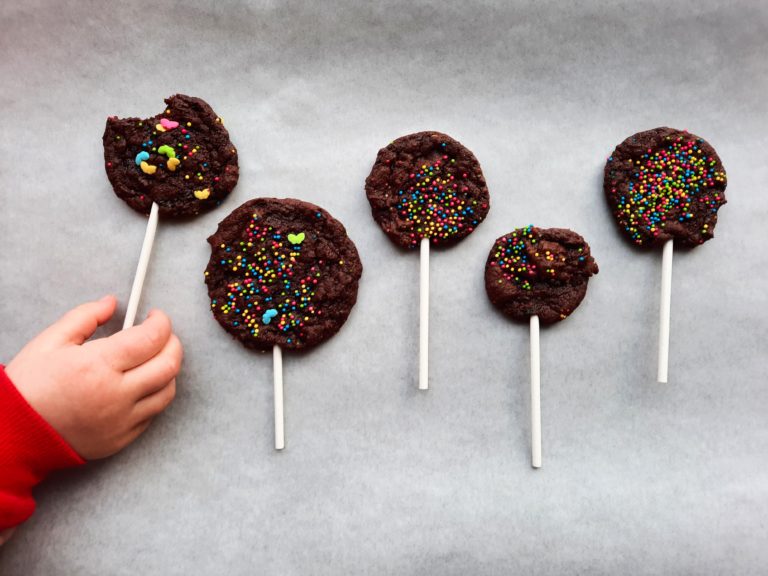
(377, 477)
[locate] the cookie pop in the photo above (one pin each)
(538, 276)
(283, 274)
(426, 188)
(665, 186)
(176, 164)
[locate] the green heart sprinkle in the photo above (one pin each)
(296, 238)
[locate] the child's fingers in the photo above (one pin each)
(135, 432)
(134, 346)
(79, 324)
(155, 373)
(152, 405)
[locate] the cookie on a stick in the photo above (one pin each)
(426, 188)
(538, 276)
(283, 274)
(664, 187)
(176, 164)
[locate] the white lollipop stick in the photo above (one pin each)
(666, 297)
(141, 269)
(535, 394)
(424, 316)
(277, 368)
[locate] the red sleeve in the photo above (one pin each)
(29, 449)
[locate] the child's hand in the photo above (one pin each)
(99, 395)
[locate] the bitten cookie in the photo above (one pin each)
(538, 271)
(663, 184)
(181, 159)
(427, 185)
(282, 272)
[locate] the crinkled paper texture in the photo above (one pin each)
(377, 477)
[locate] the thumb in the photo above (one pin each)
(79, 324)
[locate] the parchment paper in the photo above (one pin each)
(378, 478)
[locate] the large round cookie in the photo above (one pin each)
(182, 159)
(282, 272)
(665, 184)
(427, 185)
(538, 271)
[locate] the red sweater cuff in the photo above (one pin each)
(29, 450)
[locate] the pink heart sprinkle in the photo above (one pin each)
(168, 124)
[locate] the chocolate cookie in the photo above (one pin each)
(282, 272)
(663, 184)
(427, 185)
(182, 159)
(538, 271)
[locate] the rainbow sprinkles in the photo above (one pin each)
(433, 202)
(269, 291)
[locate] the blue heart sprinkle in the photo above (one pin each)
(141, 157)
(268, 315)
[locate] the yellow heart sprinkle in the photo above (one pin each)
(172, 164)
(148, 168)
(159, 128)
(202, 194)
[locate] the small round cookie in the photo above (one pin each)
(663, 184)
(427, 185)
(538, 271)
(182, 159)
(282, 272)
